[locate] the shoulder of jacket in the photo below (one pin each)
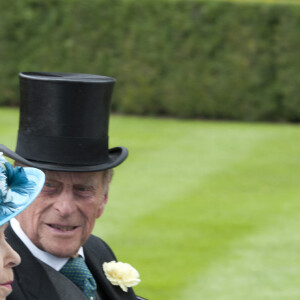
(96, 244)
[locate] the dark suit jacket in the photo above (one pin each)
(34, 280)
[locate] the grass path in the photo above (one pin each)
(204, 210)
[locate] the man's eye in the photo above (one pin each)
(82, 189)
(50, 186)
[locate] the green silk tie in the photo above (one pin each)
(77, 271)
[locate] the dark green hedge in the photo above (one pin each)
(180, 58)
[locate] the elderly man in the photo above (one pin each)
(63, 130)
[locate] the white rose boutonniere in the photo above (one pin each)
(121, 274)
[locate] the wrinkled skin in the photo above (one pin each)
(62, 217)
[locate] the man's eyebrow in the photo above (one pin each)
(51, 179)
(86, 185)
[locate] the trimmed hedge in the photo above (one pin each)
(193, 59)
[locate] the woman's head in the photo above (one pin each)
(18, 188)
(8, 259)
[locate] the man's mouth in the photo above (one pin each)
(62, 228)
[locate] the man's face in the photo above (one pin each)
(62, 217)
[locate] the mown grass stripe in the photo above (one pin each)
(204, 210)
(184, 235)
(263, 265)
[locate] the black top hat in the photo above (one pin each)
(64, 120)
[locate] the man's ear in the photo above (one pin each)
(102, 205)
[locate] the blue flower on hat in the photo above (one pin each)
(15, 187)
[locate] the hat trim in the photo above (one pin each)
(115, 157)
(63, 150)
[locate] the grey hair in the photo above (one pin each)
(107, 178)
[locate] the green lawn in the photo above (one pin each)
(204, 210)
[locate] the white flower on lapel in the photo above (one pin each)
(121, 274)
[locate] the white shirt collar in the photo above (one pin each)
(55, 262)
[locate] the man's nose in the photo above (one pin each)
(65, 203)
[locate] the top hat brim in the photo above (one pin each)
(33, 175)
(115, 157)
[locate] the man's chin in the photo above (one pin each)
(61, 243)
(62, 249)
(63, 254)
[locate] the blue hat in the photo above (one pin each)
(19, 186)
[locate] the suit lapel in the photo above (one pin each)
(65, 287)
(30, 277)
(95, 257)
